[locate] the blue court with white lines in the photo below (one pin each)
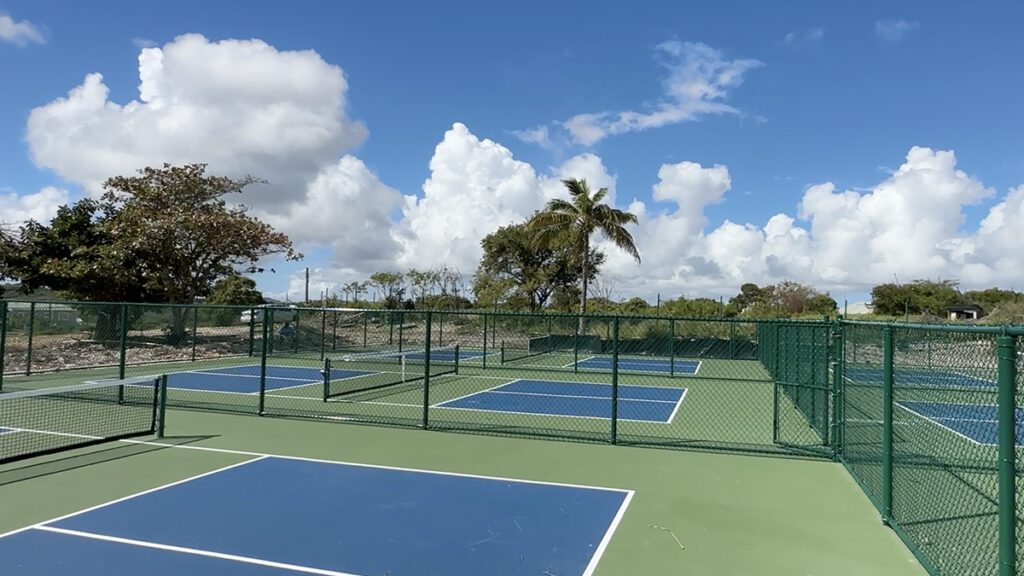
(632, 364)
(574, 399)
(978, 423)
(918, 377)
(278, 516)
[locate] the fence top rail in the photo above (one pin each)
(1007, 330)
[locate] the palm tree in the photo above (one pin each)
(579, 217)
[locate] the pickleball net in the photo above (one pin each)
(48, 420)
(346, 374)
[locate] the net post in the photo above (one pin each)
(327, 378)
(440, 329)
(268, 319)
(323, 333)
(1007, 358)
(31, 335)
(162, 406)
(252, 331)
(366, 320)
(298, 321)
(615, 381)
(672, 347)
(887, 401)
(391, 328)
(502, 351)
(426, 375)
(267, 327)
(484, 359)
(195, 330)
(3, 341)
(457, 358)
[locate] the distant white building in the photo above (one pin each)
(45, 312)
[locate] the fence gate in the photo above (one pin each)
(799, 360)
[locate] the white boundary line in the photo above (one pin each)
(257, 457)
(442, 404)
(262, 455)
(576, 362)
(941, 425)
(679, 403)
(668, 363)
(599, 551)
(672, 416)
(583, 396)
(195, 552)
(544, 415)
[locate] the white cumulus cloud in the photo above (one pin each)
(243, 107)
(41, 206)
(19, 33)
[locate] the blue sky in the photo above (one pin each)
(437, 97)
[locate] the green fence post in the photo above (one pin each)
(162, 408)
(3, 342)
(267, 328)
(334, 331)
(576, 348)
(732, 340)
(195, 330)
(440, 330)
(1007, 354)
(837, 387)
(366, 320)
(401, 329)
(122, 340)
(484, 359)
(323, 334)
(391, 328)
(774, 372)
(252, 331)
(31, 337)
(887, 401)
(426, 376)
(615, 381)
(268, 319)
(672, 347)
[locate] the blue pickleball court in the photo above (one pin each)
(274, 516)
(917, 377)
(976, 422)
(574, 399)
(246, 379)
(632, 364)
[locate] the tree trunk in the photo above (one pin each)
(586, 281)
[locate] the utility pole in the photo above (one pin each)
(307, 284)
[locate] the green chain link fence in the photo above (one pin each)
(923, 417)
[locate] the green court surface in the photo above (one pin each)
(731, 514)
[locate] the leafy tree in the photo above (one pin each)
(991, 298)
(390, 287)
(421, 282)
(635, 306)
(697, 307)
(918, 297)
(576, 220)
(750, 295)
(822, 304)
(515, 266)
(235, 289)
(166, 235)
